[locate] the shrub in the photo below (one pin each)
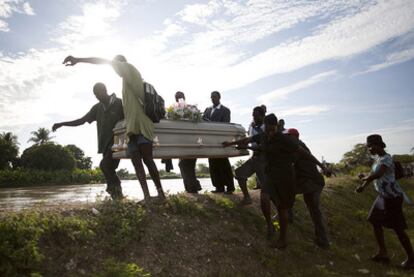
(19, 249)
(113, 268)
(48, 157)
(118, 224)
(28, 177)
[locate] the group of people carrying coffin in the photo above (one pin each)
(283, 164)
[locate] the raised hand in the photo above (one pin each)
(56, 126)
(70, 61)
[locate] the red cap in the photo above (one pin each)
(293, 132)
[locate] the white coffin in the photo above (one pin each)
(184, 139)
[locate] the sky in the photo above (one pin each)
(335, 70)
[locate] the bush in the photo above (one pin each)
(113, 268)
(119, 224)
(48, 157)
(360, 169)
(29, 177)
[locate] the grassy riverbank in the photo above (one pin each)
(205, 235)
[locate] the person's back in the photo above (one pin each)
(137, 122)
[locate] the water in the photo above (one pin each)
(24, 198)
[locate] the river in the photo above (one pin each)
(28, 197)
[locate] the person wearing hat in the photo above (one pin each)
(310, 182)
(386, 210)
(279, 187)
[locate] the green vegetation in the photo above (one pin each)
(9, 150)
(41, 136)
(203, 235)
(44, 163)
(81, 161)
(47, 156)
(30, 177)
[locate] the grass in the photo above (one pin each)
(203, 235)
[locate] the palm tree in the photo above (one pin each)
(9, 137)
(41, 136)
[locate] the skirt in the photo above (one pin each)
(388, 213)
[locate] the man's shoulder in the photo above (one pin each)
(224, 108)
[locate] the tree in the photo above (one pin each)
(41, 136)
(82, 162)
(47, 156)
(405, 158)
(202, 169)
(9, 137)
(357, 156)
(8, 150)
(123, 173)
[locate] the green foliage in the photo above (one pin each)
(19, 249)
(360, 169)
(47, 156)
(202, 169)
(403, 158)
(8, 153)
(183, 206)
(123, 174)
(119, 224)
(82, 162)
(30, 177)
(41, 136)
(357, 156)
(112, 268)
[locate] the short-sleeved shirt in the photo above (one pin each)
(106, 119)
(133, 96)
(387, 186)
(255, 130)
(279, 150)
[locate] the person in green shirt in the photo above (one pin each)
(139, 127)
(107, 112)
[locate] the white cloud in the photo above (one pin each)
(9, 7)
(393, 59)
(283, 92)
(28, 9)
(4, 27)
(302, 111)
(95, 21)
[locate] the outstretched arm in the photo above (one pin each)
(76, 122)
(371, 177)
(240, 142)
(71, 61)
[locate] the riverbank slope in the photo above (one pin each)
(203, 235)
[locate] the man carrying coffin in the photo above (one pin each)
(220, 169)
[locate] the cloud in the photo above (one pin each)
(224, 48)
(302, 111)
(9, 7)
(95, 21)
(341, 38)
(393, 59)
(283, 92)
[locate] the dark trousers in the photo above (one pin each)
(108, 166)
(221, 174)
(187, 169)
(312, 201)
